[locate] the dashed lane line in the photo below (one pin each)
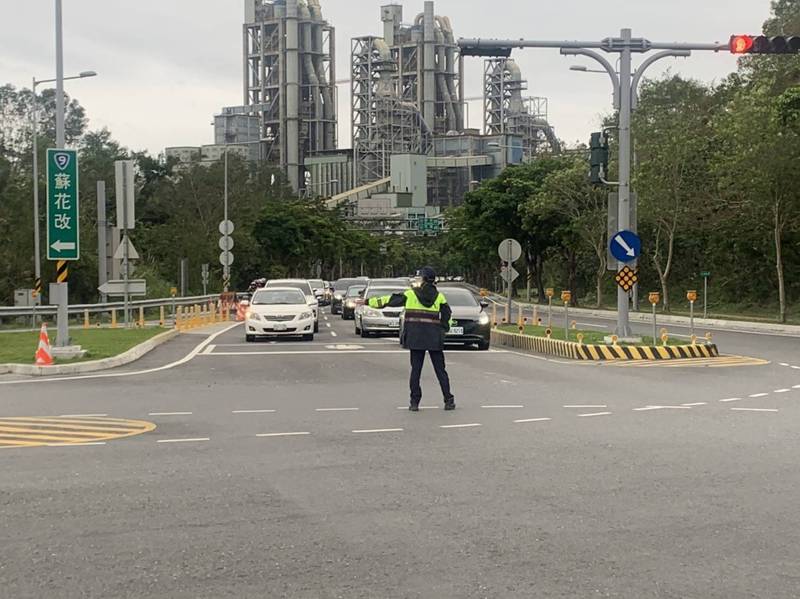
(170, 414)
(334, 334)
(471, 425)
(594, 414)
(598, 407)
(757, 395)
(378, 430)
(336, 410)
(196, 440)
(421, 407)
(694, 405)
(526, 420)
(501, 407)
(83, 415)
(782, 391)
(730, 399)
(753, 410)
(253, 411)
(297, 434)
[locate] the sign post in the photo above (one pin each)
(204, 275)
(566, 297)
(63, 228)
(655, 298)
(692, 297)
(549, 292)
(510, 251)
(226, 258)
(126, 219)
(706, 275)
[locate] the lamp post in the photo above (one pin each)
(34, 128)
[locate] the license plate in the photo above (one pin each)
(456, 331)
(280, 327)
(395, 324)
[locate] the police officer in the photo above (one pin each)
(426, 321)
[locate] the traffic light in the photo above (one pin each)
(599, 158)
(761, 44)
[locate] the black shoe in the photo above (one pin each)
(449, 404)
(414, 407)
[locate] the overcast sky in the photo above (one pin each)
(166, 66)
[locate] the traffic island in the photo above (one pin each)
(590, 346)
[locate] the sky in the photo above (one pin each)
(167, 66)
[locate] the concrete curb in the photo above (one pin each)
(129, 356)
(602, 353)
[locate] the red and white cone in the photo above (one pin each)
(44, 356)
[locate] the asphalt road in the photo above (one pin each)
(293, 470)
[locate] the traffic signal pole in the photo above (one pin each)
(625, 84)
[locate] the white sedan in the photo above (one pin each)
(279, 312)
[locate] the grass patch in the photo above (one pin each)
(589, 337)
(19, 348)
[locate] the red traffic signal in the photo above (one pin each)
(761, 44)
(741, 44)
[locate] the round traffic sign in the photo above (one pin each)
(226, 243)
(625, 246)
(509, 250)
(226, 259)
(226, 227)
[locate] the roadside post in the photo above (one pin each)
(173, 292)
(226, 258)
(692, 297)
(126, 219)
(204, 273)
(549, 292)
(566, 297)
(510, 251)
(655, 299)
(706, 275)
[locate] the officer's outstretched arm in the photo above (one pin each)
(445, 313)
(398, 300)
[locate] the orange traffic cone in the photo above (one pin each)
(44, 357)
(241, 312)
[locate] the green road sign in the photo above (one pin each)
(63, 225)
(705, 274)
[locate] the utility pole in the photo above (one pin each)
(61, 288)
(625, 85)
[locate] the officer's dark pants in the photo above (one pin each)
(417, 361)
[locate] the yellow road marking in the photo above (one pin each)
(53, 431)
(721, 362)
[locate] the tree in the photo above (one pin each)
(568, 194)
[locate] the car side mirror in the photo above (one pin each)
(484, 304)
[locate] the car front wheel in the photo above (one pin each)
(316, 327)
(250, 338)
(483, 346)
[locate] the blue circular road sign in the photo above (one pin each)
(626, 246)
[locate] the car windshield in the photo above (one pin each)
(355, 290)
(301, 285)
(381, 291)
(278, 297)
(316, 283)
(460, 298)
(344, 284)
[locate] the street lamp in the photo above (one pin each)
(34, 127)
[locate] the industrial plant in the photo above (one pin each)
(412, 153)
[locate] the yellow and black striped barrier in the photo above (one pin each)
(598, 353)
(62, 271)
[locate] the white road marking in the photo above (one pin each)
(586, 407)
(336, 410)
(501, 407)
(299, 434)
(188, 358)
(595, 414)
(209, 350)
(473, 425)
(532, 420)
(170, 414)
(589, 324)
(421, 407)
(327, 324)
(781, 390)
(796, 367)
(784, 364)
(314, 352)
(253, 412)
(694, 405)
(76, 444)
(752, 410)
(796, 387)
(334, 334)
(83, 415)
(198, 440)
(380, 430)
(757, 395)
(730, 399)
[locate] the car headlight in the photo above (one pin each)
(483, 319)
(351, 304)
(372, 312)
(253, 316)
(338, 296)
(306, 315)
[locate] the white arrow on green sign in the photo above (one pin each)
(63, 225)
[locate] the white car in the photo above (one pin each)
(279, 312)
(304, 286)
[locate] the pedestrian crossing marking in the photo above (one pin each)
(54, 431)
(720, 362)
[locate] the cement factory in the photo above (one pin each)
(412, 153)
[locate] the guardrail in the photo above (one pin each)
(79, 309)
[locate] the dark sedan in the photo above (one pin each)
(340, 288)
(352, 300)
(470, 324)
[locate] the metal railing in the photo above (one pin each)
(79, 309)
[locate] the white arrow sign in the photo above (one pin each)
(117, 288)
(628, 249)
(60, 246)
